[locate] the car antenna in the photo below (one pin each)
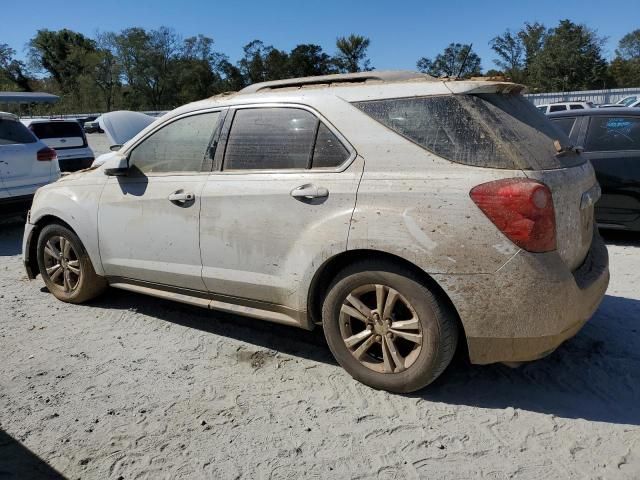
(464, 60)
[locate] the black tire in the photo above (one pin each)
(438, 323)
(87, 284)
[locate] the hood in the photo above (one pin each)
(123, 125)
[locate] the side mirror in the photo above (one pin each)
(117, 165)
(115, 148)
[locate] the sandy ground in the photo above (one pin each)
(133, 387)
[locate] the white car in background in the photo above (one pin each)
(26, 164)
(632, 101)
(563, 106)
(67, 137)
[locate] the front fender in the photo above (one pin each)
(75, 205)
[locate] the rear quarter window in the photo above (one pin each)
(57, 129)
(610, 133)
(488, 130)
(13, 132)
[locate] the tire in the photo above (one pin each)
(391, 362)
(77, 287)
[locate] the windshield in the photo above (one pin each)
(487, 130)
(627, 101)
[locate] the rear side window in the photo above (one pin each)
(328, 151)
(576, 107)
(557, 108)
(57, 130)
(13, 132)
(488, 130)
(180, 146)
(613, 133)
(281, 138)
(565, 124)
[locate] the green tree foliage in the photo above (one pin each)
(570, 59)
(65, 55)
(13, 73)
(352, 54)
(625, 68)
(457, 60)
(511, 55)
(308, 60)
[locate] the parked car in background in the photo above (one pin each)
(83, 120)
(93, 126)
(562, 106)
(26, 164)
(399, 211)
(67, 138)
(610, 138)
(632, 101)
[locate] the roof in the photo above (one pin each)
(28, 97)
(8, 116)
(345, 78)
(627, 111)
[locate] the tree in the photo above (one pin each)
(511, 55)
(625, 68)
(629, 46)
(352, 54)
(570, 59)
(457, 60)
(149, 66)
(66, 55)
(12, 72)
(532, 36)
(307, 60)
(107, 71)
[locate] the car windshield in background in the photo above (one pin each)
(488, 130)
(57, 129)
(12, 132)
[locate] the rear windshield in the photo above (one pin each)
(488, 130)
(12, 132)
(57, 129)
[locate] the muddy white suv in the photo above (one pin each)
(406, 215)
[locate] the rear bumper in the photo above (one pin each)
(530, 306)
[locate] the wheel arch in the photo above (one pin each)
(330, 268)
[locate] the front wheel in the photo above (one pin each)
(66, 267)
(386, 328)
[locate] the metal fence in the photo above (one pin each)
(595, 96)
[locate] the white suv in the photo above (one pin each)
(398, 211)
(26, 164)
(563, 106)
(68, 139)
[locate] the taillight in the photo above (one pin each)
(46, 154)
(522, 209)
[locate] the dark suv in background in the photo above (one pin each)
(611, 141)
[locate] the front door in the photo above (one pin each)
(280, 204)
(148, 221)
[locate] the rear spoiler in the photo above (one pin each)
(483, 86)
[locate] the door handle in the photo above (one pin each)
(181, 197)
(309, 191)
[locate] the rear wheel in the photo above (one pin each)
(386, 328)
(65, 266)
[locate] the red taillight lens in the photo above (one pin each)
(46, 154)
(522, 209)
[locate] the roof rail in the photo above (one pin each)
(326, 80)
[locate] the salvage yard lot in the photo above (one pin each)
(130, 386)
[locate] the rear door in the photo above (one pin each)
(148, 221)
(612, 144)
(20, 170)
(282, 198)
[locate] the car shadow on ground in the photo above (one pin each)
(621, 238)
(18, 462)
(11, 230)
(594, 376)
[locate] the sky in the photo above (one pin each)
(401, 31)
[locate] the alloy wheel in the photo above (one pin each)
(62, 263)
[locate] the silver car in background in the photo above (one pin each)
(404, 214)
